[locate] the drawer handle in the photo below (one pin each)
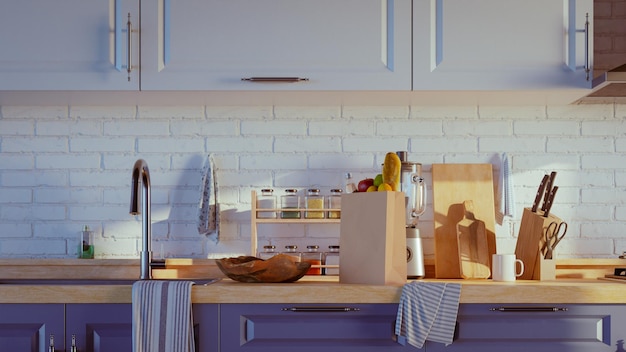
(275, 79)
(321, 309)
(528, 309)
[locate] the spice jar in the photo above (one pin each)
(313, 256)
(331, 258)
(314, 200)
(290, 200)
(267, 200)
(334, 202)
(292, 251)
(268, 252)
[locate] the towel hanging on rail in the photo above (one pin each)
(208, 214)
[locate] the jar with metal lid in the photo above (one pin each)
(267, 200)
(333, 201)
(331, 261)
(313, 256)
(292, 251)
(268, 252)
(290, 200)
(314, 200)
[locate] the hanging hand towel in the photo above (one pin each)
(208, 222)
(162, 317)
(505, 187)
(428, 311)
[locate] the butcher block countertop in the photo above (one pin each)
(578, 281)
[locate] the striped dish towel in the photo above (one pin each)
(428, 311)
(162, 318)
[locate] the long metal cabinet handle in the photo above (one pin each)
(320, 309)
(587, 60)
(528, 309)
(129, 29)
(275, 79)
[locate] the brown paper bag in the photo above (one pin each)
(373, 239)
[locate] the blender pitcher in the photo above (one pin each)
(414, 188)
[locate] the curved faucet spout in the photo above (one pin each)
(141, 177)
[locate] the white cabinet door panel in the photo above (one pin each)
(66, 45)
(335, 44)
(500, 44)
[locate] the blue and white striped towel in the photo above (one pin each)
(162, 318)
(428, 311)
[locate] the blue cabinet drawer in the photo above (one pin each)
(284, 327)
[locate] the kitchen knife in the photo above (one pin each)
(540, 192)
(548, 190)
(550, 201)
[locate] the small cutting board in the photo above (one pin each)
(474, 255)
(452, 185)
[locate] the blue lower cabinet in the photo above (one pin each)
(206, 327)
(304, 328)
(538, 328)
(99, 327)
(28, 327)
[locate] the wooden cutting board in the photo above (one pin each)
(452, 185)
(473, 249)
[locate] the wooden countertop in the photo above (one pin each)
(568, 288)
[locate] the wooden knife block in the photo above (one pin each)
(529, 242)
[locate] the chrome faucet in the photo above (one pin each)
(142, 174)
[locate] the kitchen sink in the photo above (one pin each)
(87, 282)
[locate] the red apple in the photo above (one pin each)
(364, 184)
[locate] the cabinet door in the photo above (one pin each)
(501, 44)
(67, 45)
(581, 328)
(335, 44)
(99, 327)
(206, 327)
(28, 327)
(269, 327)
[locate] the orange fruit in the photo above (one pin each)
(385, 187)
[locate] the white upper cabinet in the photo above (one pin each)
(501, 44)
(67, 45)
(283, 44)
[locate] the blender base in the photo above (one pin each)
(414, 254)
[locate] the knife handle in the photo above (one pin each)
(548, 190)
(540, 192)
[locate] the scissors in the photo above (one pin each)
(554, 234)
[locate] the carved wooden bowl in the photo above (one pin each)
(279, 268)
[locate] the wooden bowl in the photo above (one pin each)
(279, 268)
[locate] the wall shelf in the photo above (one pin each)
(255, 220)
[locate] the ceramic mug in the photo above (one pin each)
(504, 267)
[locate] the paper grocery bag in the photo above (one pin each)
(373, 238)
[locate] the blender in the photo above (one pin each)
(413, 186)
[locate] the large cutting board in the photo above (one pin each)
(454, 184)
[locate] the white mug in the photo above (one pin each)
(504, 267)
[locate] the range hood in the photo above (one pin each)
(610, 87)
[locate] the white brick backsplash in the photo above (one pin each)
(63, 167)
(580, 144)
(17, 127)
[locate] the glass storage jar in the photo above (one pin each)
(334, 202)
(290, 200)
(267, 200)
(314, 200)
(292, 251)
(268, 252)
(331, 261)
(313, 256)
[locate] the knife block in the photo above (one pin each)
(530, 240)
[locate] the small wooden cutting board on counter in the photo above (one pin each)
(453, 185)
(473, 247)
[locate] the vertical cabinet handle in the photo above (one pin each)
(129, 29)
(587, 65)
(73, 347)
(51, 344)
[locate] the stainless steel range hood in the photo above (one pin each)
(609, 87)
